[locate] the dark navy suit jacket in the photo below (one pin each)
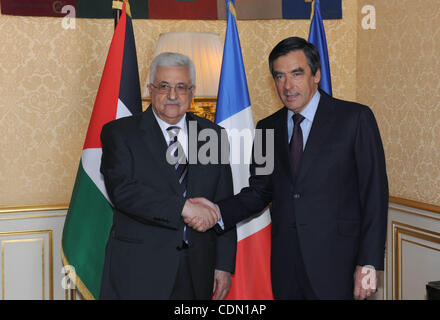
(338, 203)
(144, 245)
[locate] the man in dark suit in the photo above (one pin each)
(328, 189)
(151, 254)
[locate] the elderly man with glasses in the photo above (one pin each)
(151, 254)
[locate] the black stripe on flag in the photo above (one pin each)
(130, 90)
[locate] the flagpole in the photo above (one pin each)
(117, 13)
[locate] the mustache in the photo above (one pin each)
(171, 101)
(290, 92)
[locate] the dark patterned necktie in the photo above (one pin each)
(296, 144)
(175, 152)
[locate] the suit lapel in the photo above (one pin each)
(321, 128)
(157, 146)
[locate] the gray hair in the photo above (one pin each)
(173, 59)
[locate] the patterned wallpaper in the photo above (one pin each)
(49, 77)
(398, 77)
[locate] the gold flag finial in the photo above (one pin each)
(232, 10)
(118, 5)
(313, 10)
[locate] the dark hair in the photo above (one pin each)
(293, 44)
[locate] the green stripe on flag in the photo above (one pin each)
(86, 231)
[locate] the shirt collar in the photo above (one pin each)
(310, 110)
(164, 125)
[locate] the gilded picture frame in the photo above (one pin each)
(202, 107)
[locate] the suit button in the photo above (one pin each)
(296, 196)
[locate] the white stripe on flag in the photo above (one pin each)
(240, 122)
(248, 227)
(123, 111)
(240, 154)
(91, 157)
(91, 162)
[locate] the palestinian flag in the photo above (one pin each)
(90, 214)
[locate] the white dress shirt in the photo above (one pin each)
(182, 136)
(309, 114)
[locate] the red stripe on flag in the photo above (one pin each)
(39, 8)
(251, 280)
(106, 103)
(183, 9)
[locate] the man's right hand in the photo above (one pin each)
(200, 214)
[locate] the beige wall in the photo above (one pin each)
(49, 77)
(398, 76)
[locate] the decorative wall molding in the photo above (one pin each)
(30, 246)
(9, 239)
(33, 208)
(413, 251)
(415, 204)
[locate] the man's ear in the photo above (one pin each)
(317, 76)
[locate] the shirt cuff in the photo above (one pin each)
(220, 221)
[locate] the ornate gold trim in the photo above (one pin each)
(118, 5)
(414, 213)
(421, 244)
(400, 229)
(34, 217)
(65, 206)
(3, 242)
(50, 258)
(195, 99)
(33, 208)
(202, 107)
(417, 228)
(83, 290)
(415, 204)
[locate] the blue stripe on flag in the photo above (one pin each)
(233, 94)
(317, 38)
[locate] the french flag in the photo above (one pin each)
(251, 280)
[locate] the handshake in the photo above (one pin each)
(200, 214)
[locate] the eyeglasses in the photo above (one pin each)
(165, 88)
